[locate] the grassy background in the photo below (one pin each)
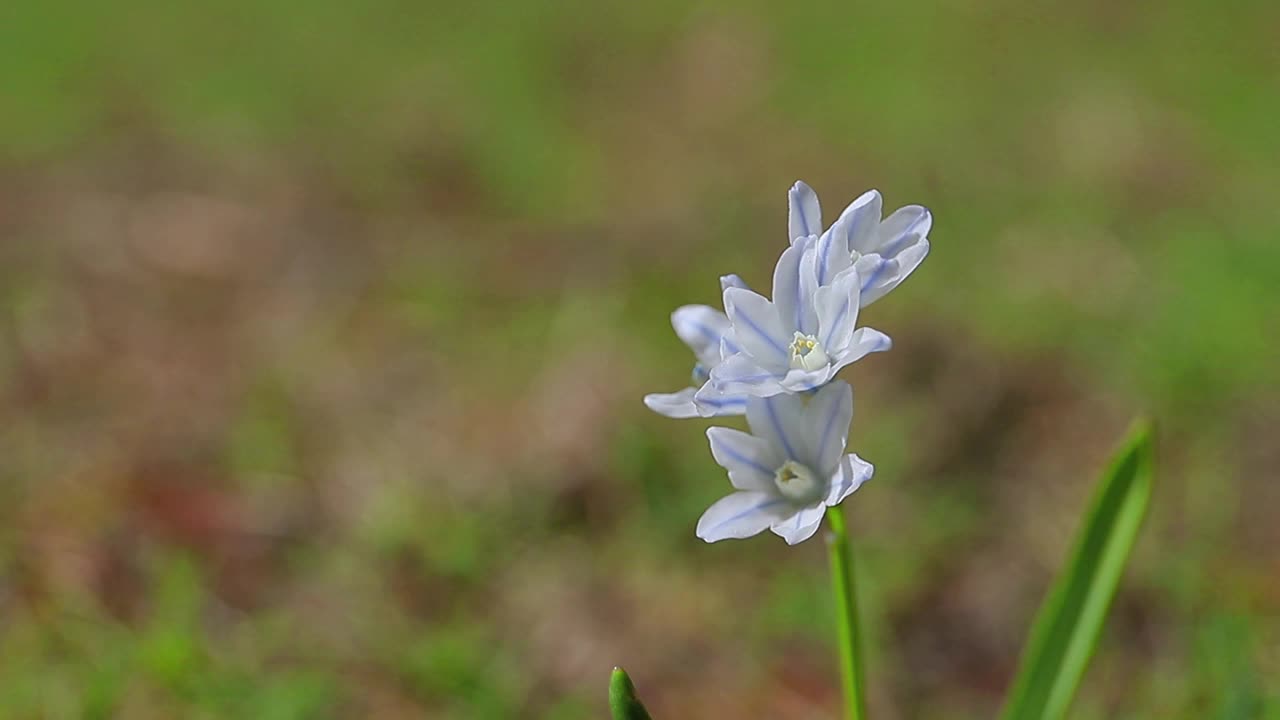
(325, 328)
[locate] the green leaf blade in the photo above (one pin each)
(1070, 620)
(623, 702)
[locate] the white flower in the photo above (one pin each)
(884, 251)
(789, 469)
(800, 340)
(708, 333)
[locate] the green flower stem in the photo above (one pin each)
(846, 617)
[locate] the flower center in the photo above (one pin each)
(797, 482)
(807, 353)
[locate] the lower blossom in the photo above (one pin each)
(789, 469)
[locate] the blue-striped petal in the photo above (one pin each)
(837, 306)
(804, 217)
(832, 253)
(752, 463)
(779, 419)
(732, 280)
(829, 414)
(902, 266)
(799, 380)
(741, 515)
(701, 327)
(710, 402)
(786, 287)
(807, 316)
(896, 229)
(865, 341)
(739, 375)
(674, 405)
(757, 326)
(852, 473)
(862, 222)
(871, 270)
(802, 525)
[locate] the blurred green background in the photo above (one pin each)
(325, 328)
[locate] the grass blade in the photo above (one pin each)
(1070, 620)
(622, 698)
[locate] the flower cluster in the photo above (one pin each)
(775, 361)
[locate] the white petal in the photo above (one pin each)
(911, 257)
(673, 405)
(751, 461)
(799, 380)
(829, 414)
(837, 306)
(757, 327)
(862, 221)
(741, 515)
(903, 223)
(779, 419)
(852, 473)
(832, 253)
(876, 276)
(710, 402)
(802, 525)
(865, 341)
(805, 215)
(808, 316)
(738, 374)
(786, 287)
(731, 280)
(902, 266)
(728, 347)
(871, 268)
(701, 327)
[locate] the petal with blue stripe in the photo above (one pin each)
(904, 264)
(710, 402)
(850, 476)
(865, 341)
(802, 525)
(804, 217)
(751, 461)
(741, 515)
(903, 223)
(862, 222)
(739, 375)
(832, 253)
(780, 420)
(732, 280)
(757, 326)
(786, 287)
(701, 327)
(829, 413)
(837, 306)
(673, 405)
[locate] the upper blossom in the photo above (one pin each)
(707, 332)
(884, 251)
(803, 337)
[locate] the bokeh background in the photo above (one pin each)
(325, 327)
